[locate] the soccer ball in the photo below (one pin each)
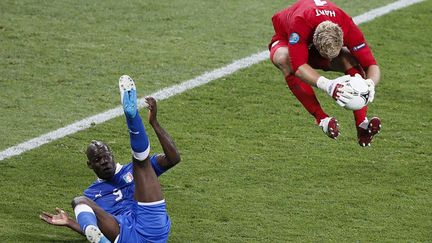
(361, 93)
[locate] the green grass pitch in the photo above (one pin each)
(254, 166)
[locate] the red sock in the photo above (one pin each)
(359, 115)
(306, 95)
(358, 69)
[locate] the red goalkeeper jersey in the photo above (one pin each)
(297, 23)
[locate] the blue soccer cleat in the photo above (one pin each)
(128, 96)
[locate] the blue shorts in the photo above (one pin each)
(147, 222)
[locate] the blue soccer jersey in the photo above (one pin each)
(117, 195)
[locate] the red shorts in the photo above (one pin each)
(315, 60)
(274, 45)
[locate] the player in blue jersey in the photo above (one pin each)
(114, 188)
(131, 192)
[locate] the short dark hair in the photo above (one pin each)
(95, 148)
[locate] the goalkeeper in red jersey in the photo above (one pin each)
(316, 34)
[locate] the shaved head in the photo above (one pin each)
(100, 159)
(95, 148)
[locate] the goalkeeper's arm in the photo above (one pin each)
(373, 75)
(335, 88)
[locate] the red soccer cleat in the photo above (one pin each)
(330, 127)
(365, 136)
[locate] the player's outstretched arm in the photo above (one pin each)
(335, 88)
(373, 76)
(308, 74)
(171, 156)
(373, 72)
(61, 219)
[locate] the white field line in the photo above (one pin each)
(178, 89)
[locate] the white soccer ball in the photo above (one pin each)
(361, 93)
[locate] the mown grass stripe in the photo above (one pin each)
(179, 88)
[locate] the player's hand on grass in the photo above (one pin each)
(152, 107)
(337, 88)
(59, 219)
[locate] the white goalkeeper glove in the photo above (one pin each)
(371, 85)
(337, 88)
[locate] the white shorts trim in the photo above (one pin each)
(275, 43)
(151, 203)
